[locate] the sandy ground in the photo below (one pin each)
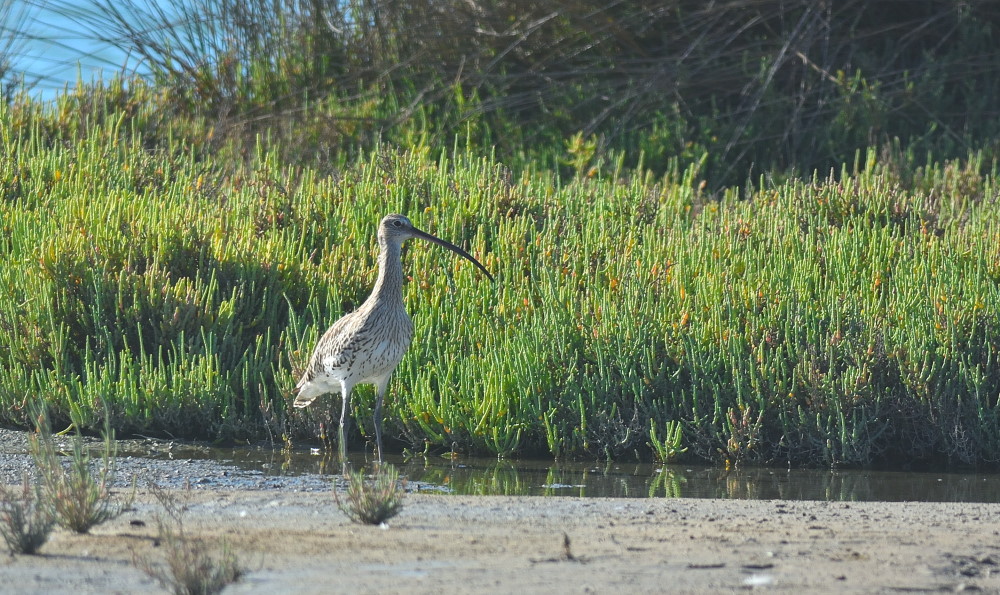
(291, 538)
(299, 542)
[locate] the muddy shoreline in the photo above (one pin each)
(291, 538)
(298, 542)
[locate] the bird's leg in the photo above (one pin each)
(378, 418)
(345, 422)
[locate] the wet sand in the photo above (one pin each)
(290, 536)
(299, 542)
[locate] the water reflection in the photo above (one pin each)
(648, 481)
(636, 480)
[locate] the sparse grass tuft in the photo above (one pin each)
(78, 493)
(372, 501)
(191, 568)
(25, 520)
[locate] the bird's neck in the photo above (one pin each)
(389, 285)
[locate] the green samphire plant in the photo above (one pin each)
(832, 320)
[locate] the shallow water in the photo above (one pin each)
(631, 480)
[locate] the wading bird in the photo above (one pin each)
(365, 346)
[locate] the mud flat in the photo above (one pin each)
(298, 542)
(291, 538)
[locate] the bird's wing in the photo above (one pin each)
(336, 347)
(334, 350)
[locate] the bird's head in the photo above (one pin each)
(396, 229)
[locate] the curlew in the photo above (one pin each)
(365, 346)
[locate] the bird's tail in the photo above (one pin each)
(301, 401)
(307, 391)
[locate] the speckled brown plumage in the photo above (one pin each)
(365, 346)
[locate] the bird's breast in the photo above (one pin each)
(380, 343)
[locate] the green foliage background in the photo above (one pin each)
(172, 249)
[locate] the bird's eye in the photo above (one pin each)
(397, 224)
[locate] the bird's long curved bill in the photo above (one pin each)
(426, 236)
